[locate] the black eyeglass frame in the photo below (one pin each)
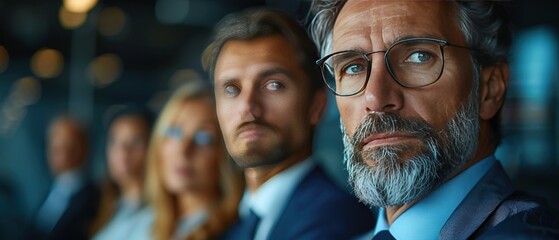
(442, 43)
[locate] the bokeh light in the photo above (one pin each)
(182, 76)
(4, 59)
(79, 6)
(12, 115)
(71, 20)
(158, 100)
(47, 63)
(25, 91)
(112, 21)
(105, 69)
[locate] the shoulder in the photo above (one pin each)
(89, 192)
(494, 208)
(87, 199)
(322, 210)
(145, 216)
(523, 217)
(520, 203)
(143, 224)
(317, 185)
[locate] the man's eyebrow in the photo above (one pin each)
(391, 42)
(415, 35)
(224, 80)
(275, 70)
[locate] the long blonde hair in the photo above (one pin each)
(164, 203)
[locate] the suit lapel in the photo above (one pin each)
(478, 205)
(284, 226)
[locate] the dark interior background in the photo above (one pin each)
(108, 61)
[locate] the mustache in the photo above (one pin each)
(376, 123)
(255, 123)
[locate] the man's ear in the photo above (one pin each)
(317, 106)
(493, 85)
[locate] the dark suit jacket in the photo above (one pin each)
(494, 210)
(318, 209)
(76, 219)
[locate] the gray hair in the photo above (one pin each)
(485, 26)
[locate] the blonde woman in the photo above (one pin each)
(192, 184)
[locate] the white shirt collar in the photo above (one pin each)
(438, 205)
(269, 200)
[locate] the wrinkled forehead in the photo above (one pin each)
(387, 21)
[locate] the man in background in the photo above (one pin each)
(72, 202)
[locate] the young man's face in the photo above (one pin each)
(264, 105)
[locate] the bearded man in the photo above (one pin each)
(419, 86)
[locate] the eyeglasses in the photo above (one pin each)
(412, 62)
(201, 138)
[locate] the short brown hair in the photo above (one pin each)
(261, 22)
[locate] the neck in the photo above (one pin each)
(193, 202)
(257, 176)
(132, 192)
(392, 213)
(58, 174)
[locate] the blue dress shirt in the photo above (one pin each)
(426, 218)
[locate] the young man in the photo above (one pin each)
(269, 99)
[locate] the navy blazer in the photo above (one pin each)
(76, 220)
(494, 210)
(318, 209)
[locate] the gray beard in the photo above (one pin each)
(394, 181)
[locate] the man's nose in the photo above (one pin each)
(382, 93)
(250, 107)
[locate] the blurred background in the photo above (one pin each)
(88, 57)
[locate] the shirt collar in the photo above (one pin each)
(269, 199)
(438, 205)
(69, 182)
(187, 225)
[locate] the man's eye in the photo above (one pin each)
(353, 69)
(274, 86)
(231, 90)
(418, 57)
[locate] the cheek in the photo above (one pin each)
(284, 111)
(113, 167)
(168, 155)
(207, 167)
(113, 160)
(349, 113)
(438, 106)
(226, 118)
(169, 149)
(138, 160)
(167, 174)
(111, 156)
